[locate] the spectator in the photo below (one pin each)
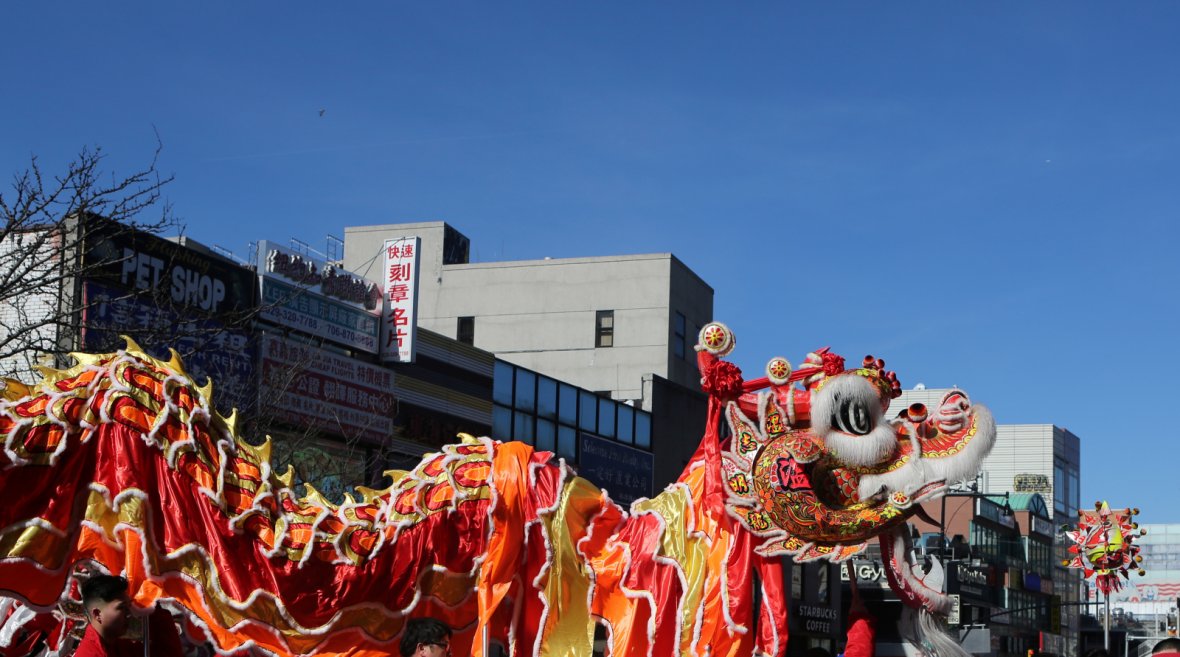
(426, 637)
(108, 615)
(1170, 646)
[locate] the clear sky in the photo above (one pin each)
(982, 193)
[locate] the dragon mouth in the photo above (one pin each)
(930, 491)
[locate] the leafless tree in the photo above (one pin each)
(56, 233)
(45, 224)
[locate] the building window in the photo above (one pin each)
(604, 328)
(466, 332)
(679, 327)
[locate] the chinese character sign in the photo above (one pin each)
(399, 324)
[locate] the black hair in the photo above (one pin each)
(816, 651)
(1098, 652)
(423, 630)
(103, 588)
(1170, 644)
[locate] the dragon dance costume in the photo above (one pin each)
(122, 463)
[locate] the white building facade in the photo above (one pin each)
(600, 323)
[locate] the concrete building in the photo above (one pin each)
(600, 323)
(621, 328)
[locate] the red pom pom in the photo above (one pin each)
(723, 380)
(833, 364)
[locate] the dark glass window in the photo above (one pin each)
(546, 435)
(526, 390)
(501, 422)
(679, 335)
(606, 417)
(604, 328)
(522, 427)
(643, 430)
(567, 404)
(546, 397)
(502, 383)
(588, 411)
(466, 330)
(626, 424)
(567, 443)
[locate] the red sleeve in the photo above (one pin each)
(89, 646)
(165, 641)
(861, 632)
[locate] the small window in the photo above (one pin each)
(626, 421)
(466, 331)
(501, 422)
(604, 328)
(588, 413)
(502, 383)
(567, 441)
(546, 397)
(526, 390)
(679, 327)
(643, 430)
(567, 404)
(606, 417)
(546, 435)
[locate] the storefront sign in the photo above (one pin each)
(1032, 483)
(1041, 526)
(869, 572)
(318, 298)
(326, 391)
(816, 619)
(313, 314)
(1015, 578)
(208, 348)
(970, 582)
(176, 276)
(400, 325)
(318, 277)
(1032, 581)
(624, 471)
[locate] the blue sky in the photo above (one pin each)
(983, 194)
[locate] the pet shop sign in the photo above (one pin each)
(173, 275)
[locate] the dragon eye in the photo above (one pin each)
(852, 416)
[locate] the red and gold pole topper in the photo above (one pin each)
(1104, 546)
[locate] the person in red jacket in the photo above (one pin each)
(108, 614)
(862, 629)
(861, 625)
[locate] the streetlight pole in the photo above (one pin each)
(1106, 625)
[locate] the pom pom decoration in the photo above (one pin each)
(1104, 546)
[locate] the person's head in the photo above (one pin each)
(816, 651)
(108, 607)
(1098, 652)
(426, 637)
(1166, 646)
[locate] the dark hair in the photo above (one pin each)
(103, 588)
(1170, 644)
(816, 651)
(423, 630)
(1097, 652)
